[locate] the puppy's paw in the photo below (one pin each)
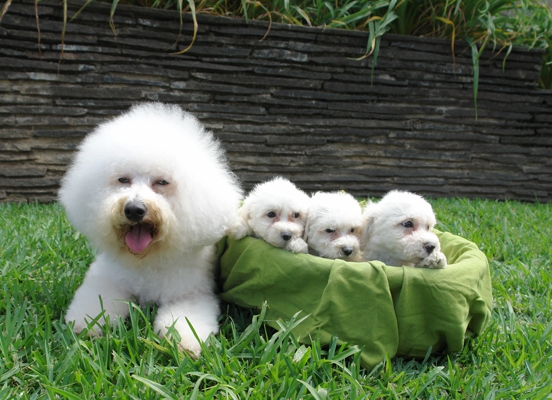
(435, 260)
(297, 245)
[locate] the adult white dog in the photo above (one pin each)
(152, 192)
(275, 211)
(334, 226)
(398, 231)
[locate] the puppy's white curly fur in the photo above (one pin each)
(275, 211)
(398, 231)
(334, 226)
(152, 192)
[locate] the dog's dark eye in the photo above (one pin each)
(408, 224)
(162, 182)
(295, 215)
(271, 214)
(330, 230)
(124, 180)
(352, 230)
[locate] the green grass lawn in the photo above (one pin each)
(43, 260)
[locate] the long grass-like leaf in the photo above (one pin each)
(156, 387)
(475, 70)
(303, 14)
(194, 19)
(452, 40)
(64, 393)
(37, 26)
(114, 4)
(268, 13)
(80, 10)
(312, 390)
(5, 8)
(508, 51)
(244, 10)
(63, 30)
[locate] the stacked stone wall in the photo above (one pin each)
(285, 100)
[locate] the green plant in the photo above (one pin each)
(500, 24)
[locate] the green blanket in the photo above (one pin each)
(395, 311)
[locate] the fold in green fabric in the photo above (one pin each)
(385, 310)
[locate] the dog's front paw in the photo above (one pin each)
(435, 260)
(297, 245)
(81, 324)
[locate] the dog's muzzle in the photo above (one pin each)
(347, 251)
(429, 248)
(140, 233)
(135, 211)
(286, 236)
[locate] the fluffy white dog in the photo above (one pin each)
(334, 226)
(152, 192)
(398, 232)
(275, 211)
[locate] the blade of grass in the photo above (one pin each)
(5, 9)
(194, 18)
(452, 40)
(80, 10)
(37, 27)
(114, 4)
(63, 30)
(156, 387)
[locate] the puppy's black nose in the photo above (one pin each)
(429, 247)
(286, 236)
(135, 210)
(347, 251)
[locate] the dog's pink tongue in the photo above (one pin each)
(138, 238)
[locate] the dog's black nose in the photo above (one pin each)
(135, 210)
(429, 247)
(286, 236)
(347, 251)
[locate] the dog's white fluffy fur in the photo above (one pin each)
(398, 231)
(152, 192)
(275, 211)
(334, 226)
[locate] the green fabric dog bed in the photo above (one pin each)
(399, 311)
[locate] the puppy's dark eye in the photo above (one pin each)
(330, 230)
(124, 179)
(162, 182)
(295, 215)
(408, 224)
(352, 230)
(271, 214)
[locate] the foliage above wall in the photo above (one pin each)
(499, 24)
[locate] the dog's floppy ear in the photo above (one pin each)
(241, 227)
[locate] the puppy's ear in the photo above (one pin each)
(241, 227)
(306, 230)
(368, 220)
(359, 231)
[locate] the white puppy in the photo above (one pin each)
(398, 232)
(275, 211)
(334, 226)
(152, 192)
